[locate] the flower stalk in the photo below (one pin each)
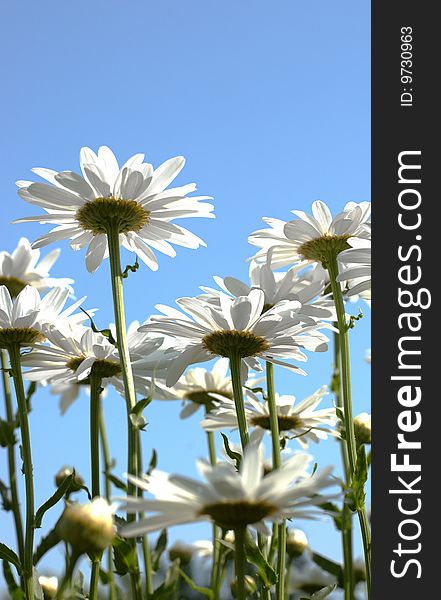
(215, 571)
(277, 463)
(240, 562)
(12, 470)
(346, 390)
(95, 393)
(235, 364)
(346, 531)
(126, 369)
(14, 356)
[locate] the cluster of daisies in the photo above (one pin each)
(284, 312)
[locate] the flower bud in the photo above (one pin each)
(77, 482)
(296, 543)
(229, 537)
(49, 585)
(250, 586)
(181, 551)
(362, 427)
(88, 528)
(359, 570)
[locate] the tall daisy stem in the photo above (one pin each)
(14, 356)
(235, 364)
(215, 571)
(95, 393)
(126, 368)
(145, 541)
(346, 531)
(240, 562)
(277, 463)
(15, 501)
(347, 406)
(108, 492)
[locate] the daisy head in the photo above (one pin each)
(23, 267)
(232, 499)
(132, 202)
(237, 329)
(301, 421)
(313, 238)
(23, 319)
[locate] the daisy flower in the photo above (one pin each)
(237, 328)
(23, 320)
(132, 201)
(312, 238)
(201, 387)
(23, 267)
(72, 354)
(301, 421)
(278, 287)
(355, 267)
(231, 499)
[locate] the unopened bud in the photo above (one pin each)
(362, 427)
(250, 586)
(88, 528)
(296, 543)
(359, 571)
(181, 551)
(77, 481)
(229, 537)
(49, 585)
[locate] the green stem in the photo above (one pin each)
(287, 580)
(215, 570)
(347, 405)
(240, 562)
(95, 392)
(235, 364)
(277, 463)
(14, 356)
(94, 577)
(108, 492)
(346, 532)
(15, 501)
(145, 541)
(126, 369)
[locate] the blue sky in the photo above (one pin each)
(269, 103)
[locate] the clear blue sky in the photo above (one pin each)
(269, 103)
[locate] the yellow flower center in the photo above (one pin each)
(239, 343)
(102, 214)
(203, 397)
(101, 367)
(286, 422)
(21, 336)
(323, 248)
(237, 514)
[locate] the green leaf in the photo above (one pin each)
(335, 512)
(47, 543)
(328, 565)
(141, 405)
(4, 495)
(130, 268)
(160, 546)
(255, 556)
(105, 578)
(165, 590)
(196, 588)
(62, 489)
(324, 592)
(153, 462)
(124, 554)
(233, 455)
(118, 483)
(9, 555)
(7, 435)
(353, 319)
(105, 332)
(359, 479)
(15, 592)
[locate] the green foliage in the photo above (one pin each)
(61, 491)
(9, 555)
